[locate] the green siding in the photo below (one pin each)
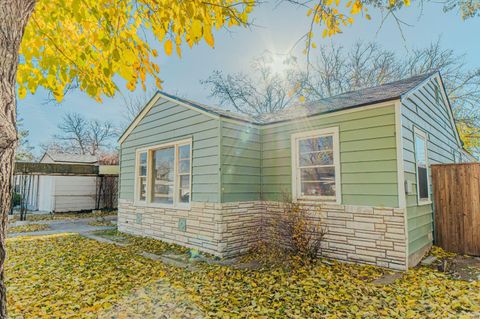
(241, 162)
(367, 156)
(166, 122)
(422, 110)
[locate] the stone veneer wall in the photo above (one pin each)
(220, 229)
(369, 235)
(363, 234)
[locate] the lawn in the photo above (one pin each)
(27, 228)
(63, 216)
(68, 276)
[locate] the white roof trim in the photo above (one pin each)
(139, 117)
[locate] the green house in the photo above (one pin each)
(204, 177)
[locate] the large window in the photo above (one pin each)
(164, 174)
(315, 162)
(421, 159)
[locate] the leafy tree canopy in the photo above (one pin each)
(71, 43)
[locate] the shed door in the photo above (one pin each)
(45, 193)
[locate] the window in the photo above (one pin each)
(421, 159)
(315, 162)
(164, 174)
(142, 176)
(184, 173)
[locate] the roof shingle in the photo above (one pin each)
(367, 96)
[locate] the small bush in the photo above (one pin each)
(293, 232)
(16, 199)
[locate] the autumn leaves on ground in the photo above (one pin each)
(69, 276)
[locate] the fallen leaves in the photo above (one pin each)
(72, 277)
(27, 228)
(101, 223)
(65, 216)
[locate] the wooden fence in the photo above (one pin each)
(456, 193)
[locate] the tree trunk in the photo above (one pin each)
(14, 15)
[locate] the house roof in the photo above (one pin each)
(348, 100)
(71, 158)
(382, 93)
(367, 96)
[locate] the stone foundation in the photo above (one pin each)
(368, 235)
(218, 229)
(363, 234)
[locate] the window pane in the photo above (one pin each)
(420, 150)
(184, 195)
(316, 158)
(143, 188)
(316, 144)
(422, 172)
(319, 181)
(184, 151)
(185, 181)
(317, 174)
(318, 189)
(163, 175)
(422, 182)
(183, 170)
(143, 164)
(184, 167)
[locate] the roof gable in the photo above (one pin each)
(439, 81)
(154, 101)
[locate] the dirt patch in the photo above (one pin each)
(463, 268)
(459, 267)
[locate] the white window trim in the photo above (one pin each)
(334, 132)
(148, 202)
(424, 135)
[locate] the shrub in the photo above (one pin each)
(16, 199)
(295, 231)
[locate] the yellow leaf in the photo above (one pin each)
(22, 92)
(209, 37)
(168, 46)
(357, 7)
(196, 29)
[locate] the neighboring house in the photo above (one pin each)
(204, 177)
(63, 193)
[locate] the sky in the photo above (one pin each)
(277, 27)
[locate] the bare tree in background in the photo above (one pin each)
(24, 149)
(134, 102)
(263, 90)
(336, 70)
(82, 136)
(74, 132)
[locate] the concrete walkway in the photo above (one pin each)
(65, 226)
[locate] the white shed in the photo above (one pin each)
(64, 193)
